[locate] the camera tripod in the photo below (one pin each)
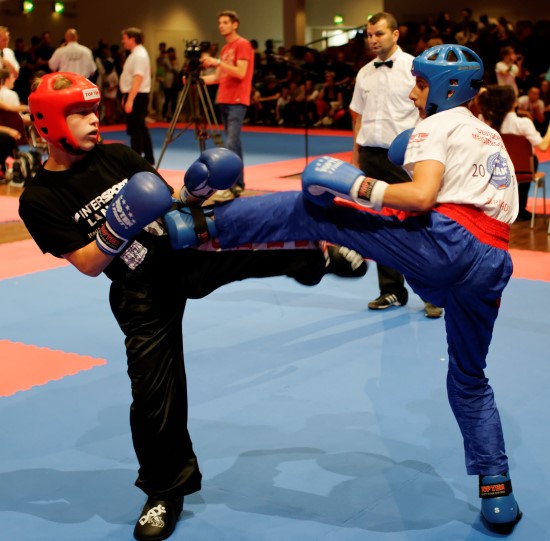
(205, 124)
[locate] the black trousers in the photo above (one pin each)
(373, 161)
(136, 127)
(149, 304)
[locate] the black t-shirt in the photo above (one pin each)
(64, 209)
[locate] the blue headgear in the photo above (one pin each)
(453, 72)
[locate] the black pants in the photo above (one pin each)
(148, 304)
(136, 127)
(373, 161)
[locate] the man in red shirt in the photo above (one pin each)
(234, 70)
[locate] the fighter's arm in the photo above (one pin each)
(421, 193)
(89, 260)
(327, 177)
(143, 199)
(136, 83)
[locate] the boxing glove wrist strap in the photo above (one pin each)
(108, 241)
(372, 191)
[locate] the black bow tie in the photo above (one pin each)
(388, 63)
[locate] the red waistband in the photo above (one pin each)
(483, 227)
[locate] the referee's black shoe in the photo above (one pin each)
(386, 300)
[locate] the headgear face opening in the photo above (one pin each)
(49, 107)
(454, 74)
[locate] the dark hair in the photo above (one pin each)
(383, 15)
(495, 103)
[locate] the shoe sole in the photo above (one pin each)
(505, 528)
(376, 307)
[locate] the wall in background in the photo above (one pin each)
(176, 21)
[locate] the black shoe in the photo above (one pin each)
(386, 300)
(158, 519)
(343, 262)
(523, 216)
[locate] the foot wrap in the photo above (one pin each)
(499, 509)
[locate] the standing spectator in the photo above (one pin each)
(381, 110)
(135, 86)
(44, 52)
(73, 57)
(171, 83)
(25, 59)
(507, 69)
(109, 93)
(234, 71)
(7, 56)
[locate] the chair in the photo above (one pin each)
(523, 158)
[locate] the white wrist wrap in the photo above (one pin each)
(377, 194)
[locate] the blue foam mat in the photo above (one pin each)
(312, 417)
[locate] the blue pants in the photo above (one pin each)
(232, 117)
(444, 264)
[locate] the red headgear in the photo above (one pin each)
(49, 107)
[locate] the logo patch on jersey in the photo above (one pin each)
(500, 171)
(418, 137)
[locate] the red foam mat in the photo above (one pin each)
(24, 257)
(9, 209)
(25, 366)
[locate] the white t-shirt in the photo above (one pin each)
(381, 97)
(478, 170)
(137, 63)
(506, 74)
(9, 55)
(74, 58)
(9, 96)
(518, 125)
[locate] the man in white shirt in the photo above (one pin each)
(73, 57)
(381, 110)
(7, 56)
(135, 85)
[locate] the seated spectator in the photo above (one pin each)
(329, 101)
(9, 99)
(8, 143)
(531, 106)
(497, 105)
(293, 112)
(264, 101)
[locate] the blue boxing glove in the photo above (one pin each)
(190, 226)
(398, 147)
(325, 178)
(144, 198)
(215, 169)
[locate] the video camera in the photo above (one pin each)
(193, 52)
